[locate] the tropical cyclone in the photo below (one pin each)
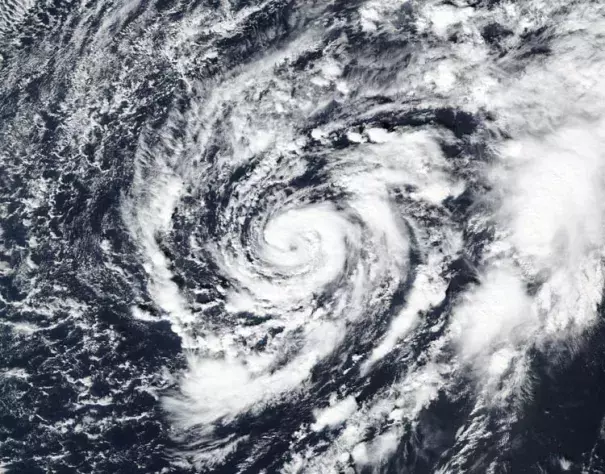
(370, 235)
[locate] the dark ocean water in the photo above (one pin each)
(302, 237)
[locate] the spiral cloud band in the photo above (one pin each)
(354, 282)
(372, 231)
